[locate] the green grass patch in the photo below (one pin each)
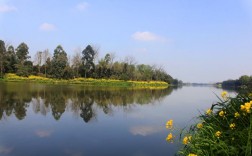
(87, 81)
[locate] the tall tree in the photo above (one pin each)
(10, 60)
(22, 56)
(88, 60)
(48, 66)
(2, 53)
(76, 63)
(38, 59)
(59, 62)
(104, 66)
(22, 52)
(45, 57)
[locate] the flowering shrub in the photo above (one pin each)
(224, 129)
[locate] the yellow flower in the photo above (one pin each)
(192, 154)
(247, 107)
(237, 115)
(232, 125)
(248, 104)
(209, 111)
(185, 140)
(169, 124)
(222, 113)
(224, 94)
(243, 108)
(169, 138)
(218, 134)
(199, 125)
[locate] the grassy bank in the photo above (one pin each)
(224, 129)
(85, 81)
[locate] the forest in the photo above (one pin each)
(83, 64)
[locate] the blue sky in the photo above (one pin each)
(193, 40)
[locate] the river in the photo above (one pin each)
(74, 120)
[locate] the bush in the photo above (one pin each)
(224, 129)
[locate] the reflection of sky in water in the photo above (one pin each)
(133, 129)
(69, 152)
(4, 150)
(145, 130)
(43, 133)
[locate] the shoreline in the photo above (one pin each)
(85, 81)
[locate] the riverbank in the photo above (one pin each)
(224, 129)
(85, 81)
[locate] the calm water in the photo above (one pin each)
(52, 120)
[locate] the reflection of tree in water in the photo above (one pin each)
(57, 105)
(15, 98)
(86, 108)
(20, 110)
(14, 101)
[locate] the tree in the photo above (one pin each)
(59, 62)
(96, 49)
(10, 60)
(146, 72)
(38, 59)
(76, 63)
(244, 80)
(112, 58)
(28, 65)
(88, 60)
(116, 70)
(68, 72)
(46, 56)
(48, 66)
(107, 58)
(2, 53)
(22, 56)
(22, 52)
(104, 67)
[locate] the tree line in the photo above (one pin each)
(83, 64)
(244, 80)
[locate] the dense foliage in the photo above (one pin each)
(242, 81)
(82, 65)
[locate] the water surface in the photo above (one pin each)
(73, 120)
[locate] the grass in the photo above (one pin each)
(225, 129)
(87, 81)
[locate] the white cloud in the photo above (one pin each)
(147, 36)
(145, 130)
(47, 27)
(82, 6)
(7, 8)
